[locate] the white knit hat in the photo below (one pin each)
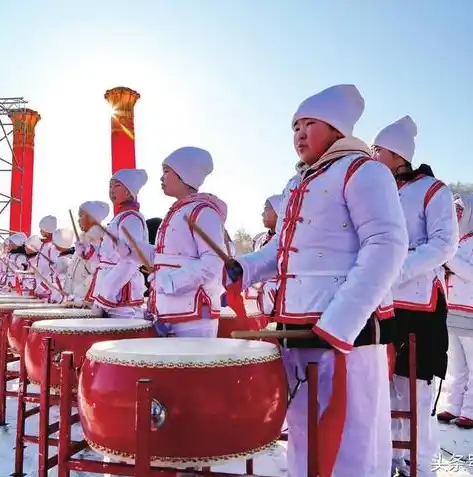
(275, 201)
(191, 164)
(399, 137)
(18, 239)
(34, 243)
(48, 224)
(63, 238)
(341, 106)
(97, 209)
(132, 179)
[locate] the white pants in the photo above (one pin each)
(203, 328)
(427, 443)
(366, 448)
(459, 382)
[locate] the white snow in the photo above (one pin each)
(455, 441)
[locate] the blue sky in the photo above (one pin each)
(227, 76)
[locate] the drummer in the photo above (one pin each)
(186, 287)
(62, 240)
(85, 260)
(47, 255)
(15, 260)
(118, 286)
(32, 245)
(339, 246)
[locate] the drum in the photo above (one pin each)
(18, 299)
(77, 335)
(214, 400)
(228, 323)
(44, 312)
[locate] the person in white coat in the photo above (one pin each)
(339, 245)
(47, 255)
(118, 285)
(15, 260)
(86, 260)
(459, 382)
(32, 245)
(63, 240)
(420, 290)
(186, 286)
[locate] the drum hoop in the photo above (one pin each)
(25, 313)
(273, 355)
(69, 331)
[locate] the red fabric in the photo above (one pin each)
(332, 422)
(235, 302)
(123, 152)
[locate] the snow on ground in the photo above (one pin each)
(456, 458)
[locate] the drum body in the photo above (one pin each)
(228, 322)
(223, 399)
(76, 335)
(23, 316)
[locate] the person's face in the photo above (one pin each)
(171, 183)
(118, 193)
(85, 221)
(269, 216)
(388, 158)
(312, 138)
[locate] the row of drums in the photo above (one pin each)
(218, 399)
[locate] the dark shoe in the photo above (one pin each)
(445, 417)
(464, 423)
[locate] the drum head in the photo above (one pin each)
(97, 325)
(28, 305)
(183, 352)
(58, 313)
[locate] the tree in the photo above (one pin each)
(243, 242)
(462, 187)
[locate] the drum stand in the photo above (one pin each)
(144, 424)
(6, 357)
(44, 401)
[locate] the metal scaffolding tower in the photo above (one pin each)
(8, 161)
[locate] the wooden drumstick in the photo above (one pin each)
(193, 226)
(278, 334)
(46, 281)
(94, 221)
(138, 250)
(76, 233)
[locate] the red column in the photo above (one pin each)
(21, 206)
(123, 102)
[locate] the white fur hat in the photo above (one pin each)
(97, 209)
(275, 201)
(191, 164)
(132, 179)
(33, 242)
(399, 137)
(63, 238)
(341, 106)
(48, 224)
(18, 239)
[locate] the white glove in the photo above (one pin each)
(80, 248)
(123, 249)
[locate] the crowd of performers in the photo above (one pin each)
(362, 248)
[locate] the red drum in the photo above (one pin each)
(228, 323)
(78, 336)
(214, 399)
(44, 312)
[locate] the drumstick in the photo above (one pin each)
(41, 253)
(193, 226)
(94, 221)
(46, 281)
(138, 250)
(76, 233)
(279, 334)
